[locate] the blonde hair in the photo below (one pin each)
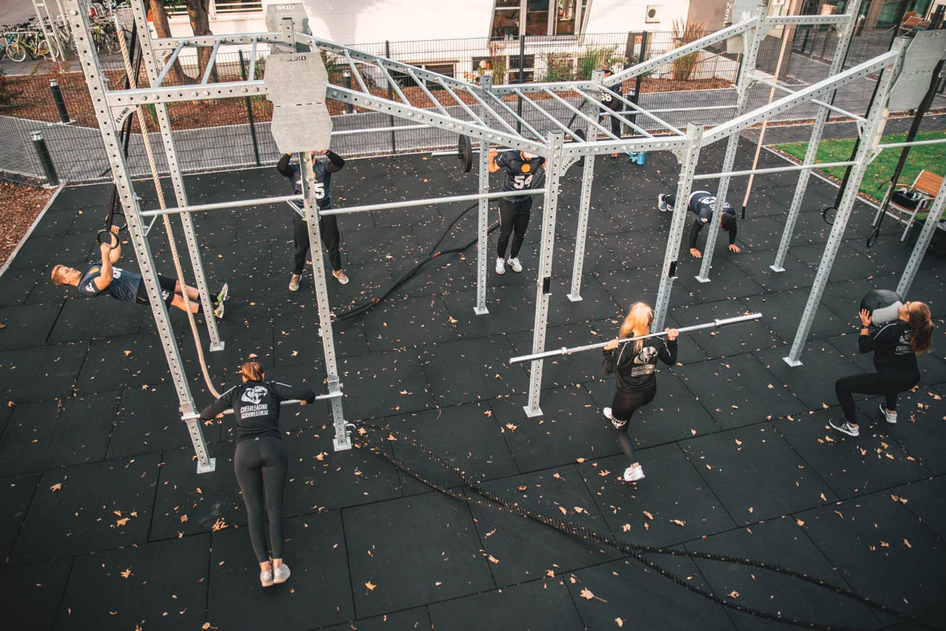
(59, 274)
(637, 323)
(252, 371)
(921, 323)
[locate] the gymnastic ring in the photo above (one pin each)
(828, 214)
(122, 225)
(873, 236)
(113, 240)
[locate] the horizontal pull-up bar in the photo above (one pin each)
(687, 329)
(794, 167)
(432, 200)
(330, 395)
(237, 203)
(915, 143)
(827, 106)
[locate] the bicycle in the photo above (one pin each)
(36, 45)
(10, 47)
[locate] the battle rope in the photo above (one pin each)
(632, 550)
(411, 273)
(152, 163)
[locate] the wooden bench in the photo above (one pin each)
(911, 21)
(928, 184)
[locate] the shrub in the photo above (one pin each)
(684, 33)
(5, 96)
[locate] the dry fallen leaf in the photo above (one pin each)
(56, 487)
(799, 522)
(126, 573)
(370, 585)
(678, 522)
(648, 515)
(587, 595)
(619, 622)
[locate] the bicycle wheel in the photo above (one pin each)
(16, 52)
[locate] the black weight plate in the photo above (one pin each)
(465, 153)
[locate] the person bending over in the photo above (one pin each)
(895, 346)
(634, 365)
(106, 279)
(702, 204)
(328, 225)
(260, 461)
(520, 168)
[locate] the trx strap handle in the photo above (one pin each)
(579, 349)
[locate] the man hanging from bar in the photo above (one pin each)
(328, 226)
(703, 204)
(520, 168)
(105, 278)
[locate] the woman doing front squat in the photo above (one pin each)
(634, 365)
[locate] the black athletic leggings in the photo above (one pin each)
(623, 406)
(261, 465)
(889, 385)
(328, 228)
(513, 216)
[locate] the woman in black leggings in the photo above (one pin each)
(895, 346)
(634, 365)
(260, 461)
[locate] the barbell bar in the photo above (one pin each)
(580, 349)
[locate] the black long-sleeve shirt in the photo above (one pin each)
(636, 371)
(703, 204)
(891, 348)
(256, 406)
(323, 176)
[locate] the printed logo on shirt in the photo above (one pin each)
(647, 354)
(91, 286)
(254, 395)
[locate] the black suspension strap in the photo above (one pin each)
(905, 152)
(636, 552)
(114, 208)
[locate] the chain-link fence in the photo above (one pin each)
(232, 133)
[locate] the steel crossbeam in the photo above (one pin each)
(814, 91)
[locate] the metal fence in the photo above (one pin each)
(232, 133)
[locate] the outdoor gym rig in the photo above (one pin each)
(486, 120)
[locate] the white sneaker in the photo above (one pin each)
(633, 474)
(662, 203)
(845, 427)
(500, 267)
(340, 276)
(890, 418)
(266, 578)
(515, 265)
(281, 574)
(607, 413)
(294, 282)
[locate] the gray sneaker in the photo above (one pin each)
(266, 578)
(845, 428)
(281, 574)
(890, 418)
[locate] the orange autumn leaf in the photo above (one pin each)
(370, 585)
(56, 487)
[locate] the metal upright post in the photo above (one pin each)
(522, 79)
(342, 439)
(689, 157)
(78, 22)
(923, 241)
(482, 222)
(553, 169)
(584, 208)
(874, 127)
(844, 42)
(746, 77)
(140, 14)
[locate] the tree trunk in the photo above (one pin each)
(197, 11)
(159, 16)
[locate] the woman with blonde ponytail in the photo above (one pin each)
(895, 346)
(635, 384)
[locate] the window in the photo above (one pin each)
(512, 18)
